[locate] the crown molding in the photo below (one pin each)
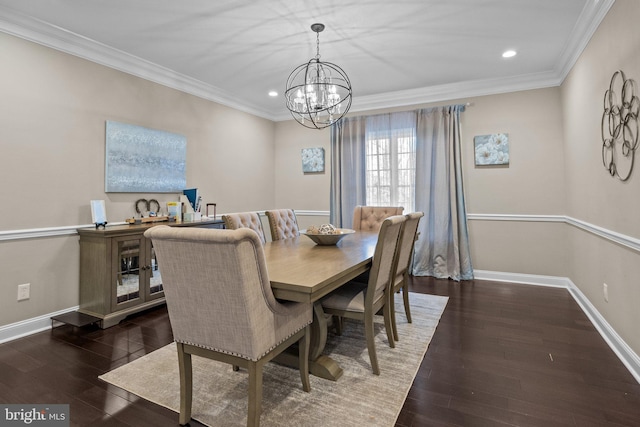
(43, 33)
(587, 24)
(58, 38)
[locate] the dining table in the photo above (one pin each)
(302, 271)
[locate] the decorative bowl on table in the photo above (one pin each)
(326, 234)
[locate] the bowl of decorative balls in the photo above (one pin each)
(326, 234)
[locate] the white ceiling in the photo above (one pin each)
(395, 53)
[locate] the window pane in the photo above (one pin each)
(390, 164)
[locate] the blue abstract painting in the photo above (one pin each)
(143, 160)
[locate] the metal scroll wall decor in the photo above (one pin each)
(620, 126)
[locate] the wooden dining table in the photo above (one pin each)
(300, 270)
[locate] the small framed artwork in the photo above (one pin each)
(98, 213)
(491, 150)
(312, 160)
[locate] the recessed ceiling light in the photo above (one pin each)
(509, 54)
(273, 93)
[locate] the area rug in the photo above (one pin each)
(358, 398)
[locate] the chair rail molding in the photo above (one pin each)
(613, 236)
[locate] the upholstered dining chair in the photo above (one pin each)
(221, 307)
(363, 300)
(369, 218)
(283, 224)
(404, 255)
(244, 220)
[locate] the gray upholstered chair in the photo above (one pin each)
(221, 306)
(249, 220)
(283, 224)
(405, 252)
(363, 300)
(369, 218)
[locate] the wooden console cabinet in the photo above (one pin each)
(119, 274)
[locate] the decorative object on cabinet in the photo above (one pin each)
(491, 150)
(142, 160)
(312, 160)
(214, 209)
(98, 213)
(619, 126)
(148, 207)
(119, 274)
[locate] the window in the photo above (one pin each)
(390, 168)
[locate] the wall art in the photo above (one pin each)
(491, 149)
(312, 160)
(143, 160)
(619, 126)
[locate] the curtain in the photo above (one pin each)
(442, 249)
(348, 170)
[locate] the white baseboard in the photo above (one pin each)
(628, 357)
(30, 326)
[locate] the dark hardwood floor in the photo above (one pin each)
(503, 354)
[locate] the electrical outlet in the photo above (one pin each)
(605, 290)
(23, 291)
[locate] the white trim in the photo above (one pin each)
(311, 213)
(626, 355)
(29, 28)
(525, 279)
(613, 236)
(30, 326)
(517, 217)
(34, 30)
(587, 24)
(34, 233)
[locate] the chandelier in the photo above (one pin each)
(318, 94)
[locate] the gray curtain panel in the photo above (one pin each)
(348, 170)
(442, 249)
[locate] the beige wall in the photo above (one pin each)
(52, 163)
(295, 189)
(533, 184)
(52, 130)
(593, 196)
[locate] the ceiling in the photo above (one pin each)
(395, 53)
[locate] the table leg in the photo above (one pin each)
(319, 365)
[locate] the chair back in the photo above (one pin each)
(283, 224)
(369, 218)
(217, 289)
(249, 220)
(407, 242)
(384, 258)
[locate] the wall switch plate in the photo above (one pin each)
(23, 291)
(605, 290)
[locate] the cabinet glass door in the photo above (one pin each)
(155, 280)
(129, 271)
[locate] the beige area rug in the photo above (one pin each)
(357, 398)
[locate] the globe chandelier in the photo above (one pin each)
(318, 94)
